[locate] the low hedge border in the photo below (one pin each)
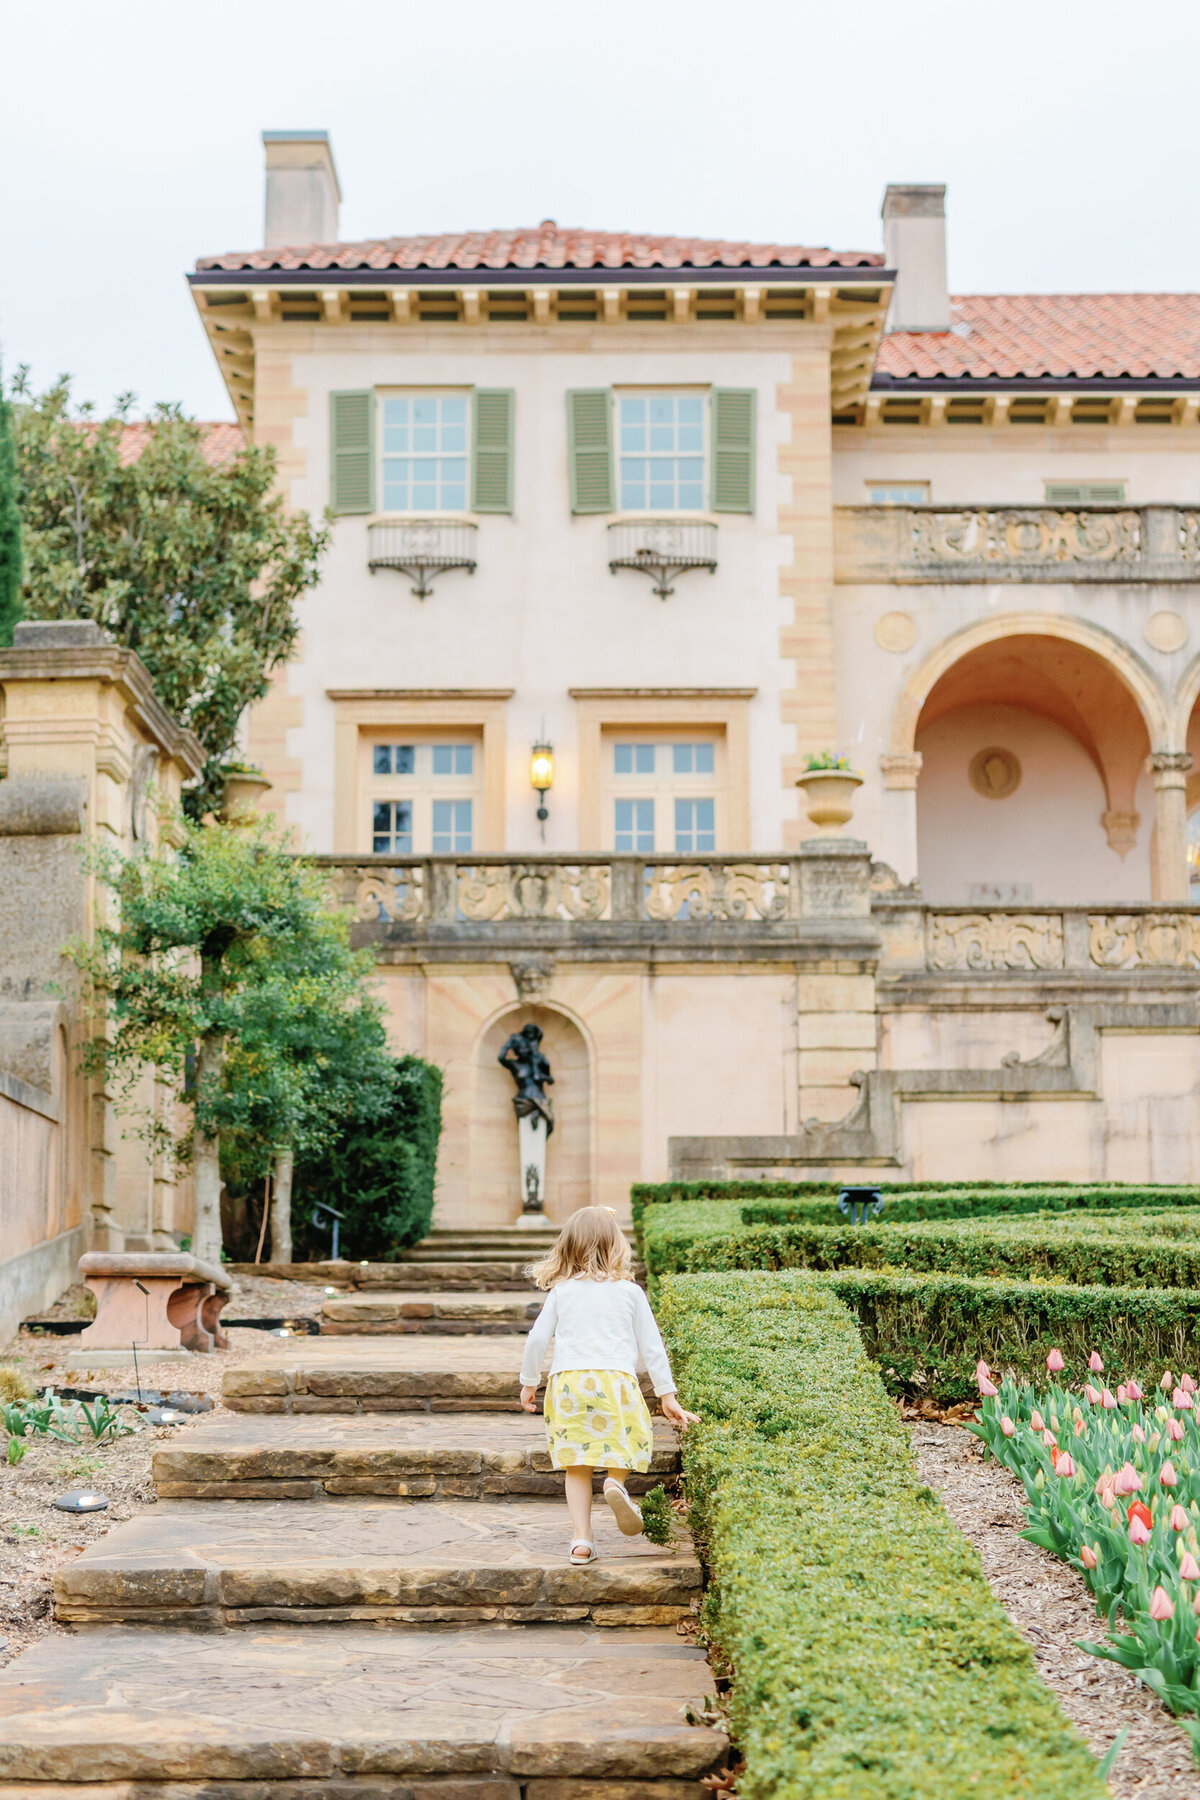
(870, 1659)
(669, 1193)
(1027, 1249)
(903, 1204)
(927, 1332)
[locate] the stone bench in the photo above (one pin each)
(177, 1305)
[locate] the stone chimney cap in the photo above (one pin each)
(306, 137)
(914, 200)
(58, 634)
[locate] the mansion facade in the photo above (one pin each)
(627, 528)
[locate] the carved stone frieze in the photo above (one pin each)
(1144, 940)
(1027, 535)
(395, 895)
(717, 891)
(995, 941)
(532, 890)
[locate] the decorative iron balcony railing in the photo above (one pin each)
(919, 544)
(422, 549)
(662, 549)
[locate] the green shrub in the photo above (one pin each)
(380, 1173)
(1124, 1252)
(927, 1332)
(969, 1200)
(871, 1660)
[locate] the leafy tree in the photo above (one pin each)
(308, 1056)
(196, 567)
(175, 974)
(10, 528)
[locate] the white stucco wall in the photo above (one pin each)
(970, 465)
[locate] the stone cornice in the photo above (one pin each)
(116, 667)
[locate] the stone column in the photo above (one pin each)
(899, 812)
(835, 980)
(1169, 876)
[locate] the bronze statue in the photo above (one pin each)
(525, 1061)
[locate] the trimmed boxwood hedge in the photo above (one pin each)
(927, 1332)
(1023, 1194)
(871, 1660)
(1128, 1253)
(901, 1204)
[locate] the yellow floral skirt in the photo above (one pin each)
(597, 1419)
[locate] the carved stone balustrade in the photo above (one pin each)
(1033, 940)
(910, 545)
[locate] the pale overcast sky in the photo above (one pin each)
(129, 137)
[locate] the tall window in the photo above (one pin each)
(424, 453)
(661, 452)
(422, 797)
(663, 795)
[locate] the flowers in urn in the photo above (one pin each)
(829, 785)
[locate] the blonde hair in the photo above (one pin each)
(591, 1243)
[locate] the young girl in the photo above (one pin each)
(603, 1329)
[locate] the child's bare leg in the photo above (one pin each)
(579, 1501)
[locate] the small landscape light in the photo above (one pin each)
(165, 1415)
(81, 1500)
(281, 1331)
(331, 1290)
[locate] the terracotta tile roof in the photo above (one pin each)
(1049, 335)
(221, 442)
(545, 246)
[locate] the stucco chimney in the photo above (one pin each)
(302, 189)
(914, 244)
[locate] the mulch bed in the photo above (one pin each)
(1051, 1608)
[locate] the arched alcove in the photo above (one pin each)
(1033, 784)
(495, 1167)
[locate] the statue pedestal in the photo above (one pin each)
(531, 1143)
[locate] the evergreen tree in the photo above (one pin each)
(10, 528)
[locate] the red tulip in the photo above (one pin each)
(1137, 1509)
(1054, 1362)
(1161, 1604)
(1139, 1533)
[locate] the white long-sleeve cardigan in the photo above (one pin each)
(597, 1325)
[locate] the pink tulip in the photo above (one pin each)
(1175, 1431)
(1036, 1422)
(1091, 1393)
(982, 1372)
(1087, 1556)
(1139, 1533)
(1007, 1426)
(1179, 1518)
(1167, 1475)
(1080, 1428)
(1066, 1467)
(1181, 1400)
(1094, 1363)
(1108, 1401)
(1161, 1604)
(1187, 1384)
(1106, 1494)
(1122, 1395)
(1054, 1362)
(1168, 1380)
(988, 1389)
(1128, 1481)
(1134, 1391)
(1189, 1568)
(1138, 1435)
(1048, 1438)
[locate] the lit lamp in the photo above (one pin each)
(541, 774)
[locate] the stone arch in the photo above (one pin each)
(495, 1182)
(1126, 665)
(1187, 696)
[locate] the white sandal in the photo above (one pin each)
(581, 1562)
(624, 1510)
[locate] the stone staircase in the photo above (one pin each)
(358, 1587)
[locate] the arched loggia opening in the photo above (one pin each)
(1033, 782)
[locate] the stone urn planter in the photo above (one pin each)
(829, 797)
(244, 788)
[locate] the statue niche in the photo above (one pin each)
(526, 1062)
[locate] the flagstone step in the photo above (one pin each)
(439, 1314)
(231, 1562)
(378, 1374)
(457, 1455)
(352, 1713)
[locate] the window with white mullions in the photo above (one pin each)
(424, 456)
(421, 796)
(663, 795)
(695, 826)
(451, 827)
(661, 455)
(634, 826)
(392, 828)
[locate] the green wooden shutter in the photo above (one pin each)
(589, 449)
(733, 449)
(492, 462)
(352, 451)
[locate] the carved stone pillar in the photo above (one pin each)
(1169, 876)
(898, 838)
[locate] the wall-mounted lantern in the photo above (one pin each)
(541, 774)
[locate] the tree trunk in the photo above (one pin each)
(281, 1208)
(206, 1161)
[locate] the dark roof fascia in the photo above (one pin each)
(867, 274)
(1058, 384)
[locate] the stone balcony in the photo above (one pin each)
(915, 545)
